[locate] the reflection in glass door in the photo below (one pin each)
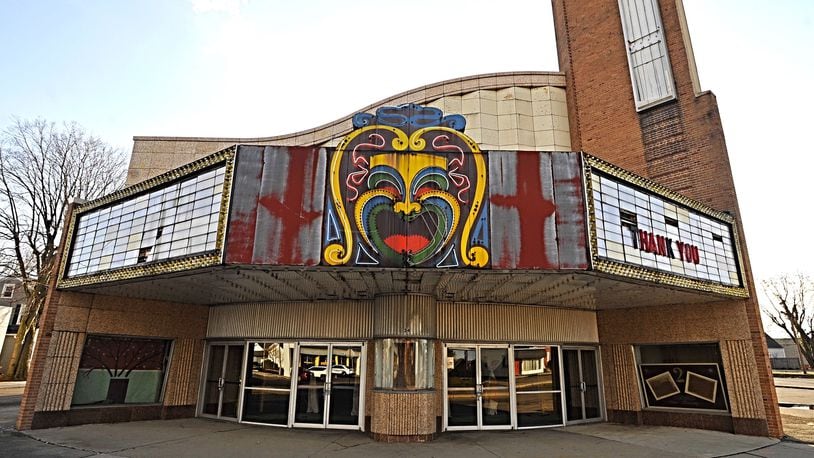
(268, 383)
(462, 382)
(478, 388)
(222, 383)
(345, 385)
(582, 401)
(496, 406)
(329, 383)
(311, 385)
(538, 399)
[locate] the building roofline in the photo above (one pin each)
(420, 95)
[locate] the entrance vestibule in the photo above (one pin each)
(519, 386)
(289, 384)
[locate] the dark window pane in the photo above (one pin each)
(265, 406)
(538, 409)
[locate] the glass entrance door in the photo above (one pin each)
(329, 385)
(582, 402)
(478, 388)
(222, 383)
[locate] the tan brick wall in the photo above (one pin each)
(619, 378)
(70, 317)
(742, 379)
(185, 369)
(59, 376)
(79, 314)
(679, 144)
(403, 413)
(39, 359)
(674, 324)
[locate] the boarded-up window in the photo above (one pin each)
(646, 52)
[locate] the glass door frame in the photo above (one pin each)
(205, 371)
(479, 426)
(561, 391)
(327, 399)
(600, 386)
(292, 386)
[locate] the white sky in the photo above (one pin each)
(243, 69)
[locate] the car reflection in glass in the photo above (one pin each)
(336, 369)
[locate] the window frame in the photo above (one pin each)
(722, 380)
(624, 15)
(6, 287)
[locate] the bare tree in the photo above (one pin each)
(42, 165)
(792, 308)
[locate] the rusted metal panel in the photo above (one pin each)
(523, 207)
(515, 323)
(570, 198)
(243, 206)
(293, 320)
(276, 209)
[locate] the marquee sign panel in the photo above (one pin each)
(407, 189)
(643, 228)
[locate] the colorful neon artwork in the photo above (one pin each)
(407, 188)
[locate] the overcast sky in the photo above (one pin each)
(251, 68)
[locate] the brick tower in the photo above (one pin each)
(634, 100)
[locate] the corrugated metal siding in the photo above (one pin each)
(277, 205)
(182, 382)
(59, 374)
(293, 320)
(742, 379)
(620, 378)
(404, 315)
(515, 323)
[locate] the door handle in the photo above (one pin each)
(583, 387)
(220, 383)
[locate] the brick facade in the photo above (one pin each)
(67, 319)
(679, 143)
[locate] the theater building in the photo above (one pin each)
(501, 251)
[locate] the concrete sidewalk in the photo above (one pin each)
(204, 438)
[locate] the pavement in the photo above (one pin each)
(195, 437)
(797, 392)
